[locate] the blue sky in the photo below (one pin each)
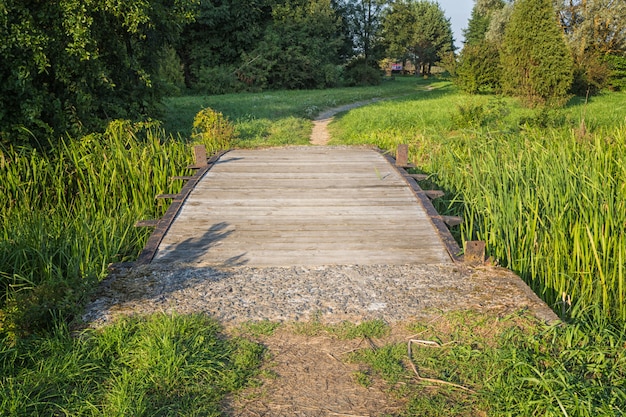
(459, 12)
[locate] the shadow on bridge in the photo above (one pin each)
(190, 251)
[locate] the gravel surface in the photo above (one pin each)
(330, 294)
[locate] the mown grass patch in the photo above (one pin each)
(277, 118)
(161, 365)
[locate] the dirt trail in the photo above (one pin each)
(313, 379)
(320, 134)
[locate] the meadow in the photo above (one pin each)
(544, 190)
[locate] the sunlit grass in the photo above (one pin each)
(509, 366)
(268, 117)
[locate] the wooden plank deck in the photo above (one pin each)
(303, 207)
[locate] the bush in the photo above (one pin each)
(590, 75)
(218, 80)
(358, 73)
(475, 115)
(213, 130)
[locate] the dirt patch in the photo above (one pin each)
(311, 377)
(320, 134)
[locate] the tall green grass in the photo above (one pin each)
(547, 196)
(68, 213)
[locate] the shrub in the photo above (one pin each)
(475, 115)
(536, 63)
(590, 75)
(358, 73)
(213, 130)
(218, 80)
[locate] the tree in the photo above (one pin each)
(595, 30)
(478, 69)
(536, 63)
(68, 65)
(419, 31)
(300, 48)
(363, 18)
(222, 31)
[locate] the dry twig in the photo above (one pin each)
(430, 343)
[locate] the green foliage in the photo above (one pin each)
(212, 45)
(477, 26)
(159, 365)
(477, 114)
(479, 68)
(301, 41)
(67, 66)
(213, 130)
(218, 80)
(359, 74)
(516, 367)
(363, 19)
(419, 31)
(169, 77)
(536, 63)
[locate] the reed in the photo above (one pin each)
(67, 214)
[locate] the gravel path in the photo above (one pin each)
(331, 293)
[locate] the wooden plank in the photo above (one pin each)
(419, 177)
(452, 220)
(402, 155)
(474, 251)
(432, 194)
(152, 245)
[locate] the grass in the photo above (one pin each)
(161, 365)
(514, 366)
(545, 194)
(277, 118)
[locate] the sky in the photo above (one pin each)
(459, 12)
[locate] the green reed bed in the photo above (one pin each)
(67, 213)
(546, 195)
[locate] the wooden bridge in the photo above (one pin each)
(301, 206)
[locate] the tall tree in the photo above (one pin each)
(480, 19)
(418, 30)
(363, 18)
(536, 63)
(221, 32)
(596, 34)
